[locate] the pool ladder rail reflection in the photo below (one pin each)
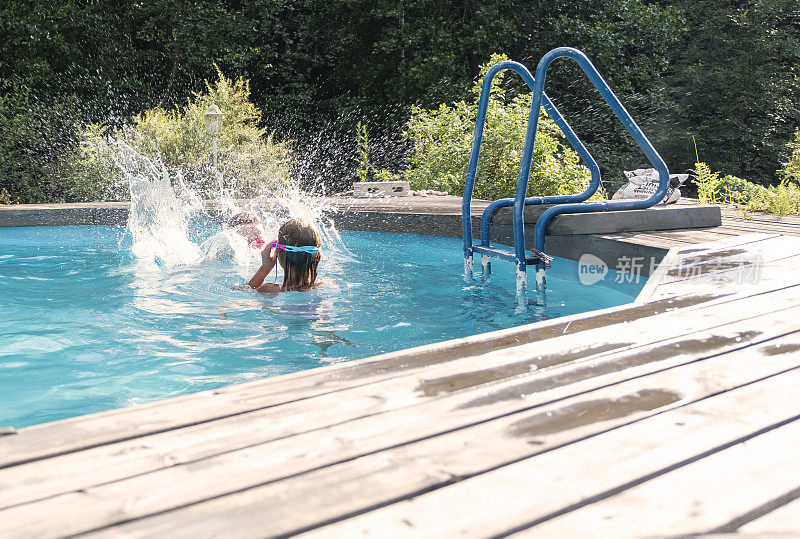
(561, 203)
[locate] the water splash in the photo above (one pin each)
(162, 207)
(166, 204)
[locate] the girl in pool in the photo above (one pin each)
(297, 249)
(249, 226)
(242, 234)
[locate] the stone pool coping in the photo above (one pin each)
(440, 215)
(569, 236)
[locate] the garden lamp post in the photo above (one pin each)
(213, 116)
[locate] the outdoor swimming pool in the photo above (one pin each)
(86, 328)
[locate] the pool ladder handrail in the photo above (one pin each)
(563, 203)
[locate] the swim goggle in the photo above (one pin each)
(295, 249)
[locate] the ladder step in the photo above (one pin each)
(539, 256)
(505, 254)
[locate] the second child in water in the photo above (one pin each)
(297, 250)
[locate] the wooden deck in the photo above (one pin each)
(677, 414)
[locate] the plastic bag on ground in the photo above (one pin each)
(643, 182)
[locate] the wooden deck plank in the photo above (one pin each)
(726, 265)
(671, 238)
(724, 230)
(741, 239)
(788, 221)
(772, 274)
(699, 235)
(739, 230)
(640, 238)
(745, 227)
(650, 240)
(505, 371)
(536, 489)
(659, 239)
(791, 222)
(784, 520)
(758, 269)
(296, 503)
(693, 263)
(488, 442)
(696, 498)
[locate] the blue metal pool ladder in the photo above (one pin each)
(563, 203)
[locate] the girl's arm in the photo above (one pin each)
(268, 258)
(258, 279)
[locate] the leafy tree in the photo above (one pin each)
(722, 71)
(733, 85)
(33, 141)
(791, 168)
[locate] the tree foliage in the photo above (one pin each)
(34, 139)
(733, 84)
(791, 168)
(725, 72)
(781, 199)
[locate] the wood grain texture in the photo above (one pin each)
(462, 453)
(571, 478)
(695, 498)
(783, 520)
(294, 504)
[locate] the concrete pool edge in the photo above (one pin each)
(569, 236)
(439, 215)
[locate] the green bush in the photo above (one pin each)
(780, 200)
(442, 139)
(747, 196)
(732, 189)
(5, 197)
(791, 168)
(250, 162)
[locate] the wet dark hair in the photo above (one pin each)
(300, 269)
(244, 218)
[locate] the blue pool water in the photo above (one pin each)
(85, 328)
